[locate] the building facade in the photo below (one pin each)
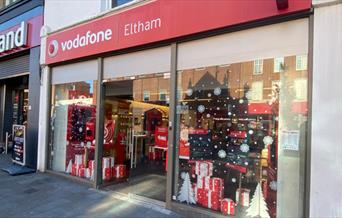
(211, 110)
(20, 24)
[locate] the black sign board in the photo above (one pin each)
(19, 141)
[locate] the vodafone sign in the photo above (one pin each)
(156, 21)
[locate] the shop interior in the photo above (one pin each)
(13, 107)
(136, 135)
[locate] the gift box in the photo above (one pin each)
(74, 170)
(204, 168)
(81, 172)
(213, 184)
(242, 197)
(151, 154)
(208, 199)
(119, 171)
(227, 206)
(106, 173)
(91, 165)
(79, 159)
(106, 162)
(87, 173)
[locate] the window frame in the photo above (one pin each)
(278, 66)
(146, 93)
(258, 64)
(303, 59)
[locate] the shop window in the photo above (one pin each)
(147, 95)
(279, 65)
(258, 66)
(257, 91)
(73, 128)
(228, 140)
(301, 62)
(301, 89)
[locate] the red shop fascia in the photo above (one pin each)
(163, 20)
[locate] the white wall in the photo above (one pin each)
(326, 146)
(61, 13)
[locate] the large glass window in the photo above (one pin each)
(73, 128)
(241, 138)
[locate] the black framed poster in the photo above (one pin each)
(19, 141)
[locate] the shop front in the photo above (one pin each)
(209, 116)
(19, 80)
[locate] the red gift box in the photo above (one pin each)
(74, 170)
(204, 168)
(119, 171)
(242, 196)
(81, 172)
(106, 173)
(151, 154)
(208, 199)
(213, 184)
(161, 137)
(91, 165)
(227, 206)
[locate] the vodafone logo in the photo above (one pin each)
(53, 48)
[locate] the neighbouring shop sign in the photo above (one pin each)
(19, 141)
(17, 36)
(156, 21)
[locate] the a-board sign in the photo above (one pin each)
(19, 141)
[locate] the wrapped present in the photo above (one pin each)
(213, 184)
(227, 206)
(106, 162)
(242, 197)
(81, 172)
(87, 173)
(79, 159)
(204, 168)
(119, 171)
(208, 199)
(74, 170)
(91, 165)
(151, 154)
(106, 173)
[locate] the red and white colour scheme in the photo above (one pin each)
(155, 21)
(242, 197)
(228, 207)
(203, 168)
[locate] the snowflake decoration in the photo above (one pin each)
(273, 185)
(217, 91)
(249, 95)
(251, 132)
(234, 180)
(268, 140)
(80, 129)
(189, 92)
(244, 148)
(208, 115)
(222, 154)
(183, 174)
(209, 94)
(201, 108)
(241, 101)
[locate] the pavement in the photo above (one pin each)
(46, 195)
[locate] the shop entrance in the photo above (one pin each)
(136, 117)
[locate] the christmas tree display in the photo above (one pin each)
(258, 207)
(186, 193)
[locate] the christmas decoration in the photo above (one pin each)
(222, 153)
(244, 148)
(217, 91)
(204, 168)
(258, 207)
(186, 193)
(189, 92)
(242, 197)
(273, 185)
(69, 167)
(201, 108)
(268, 140)
(119, 171)
(209, 199)
(213, 184)
(228, 206)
